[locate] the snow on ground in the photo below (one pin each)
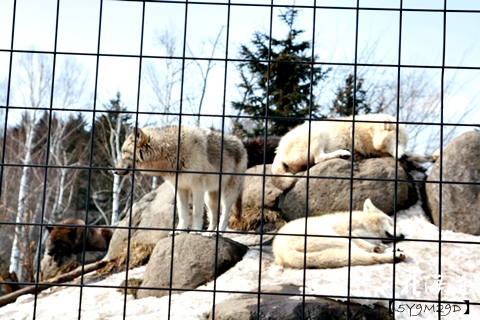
(415, 278)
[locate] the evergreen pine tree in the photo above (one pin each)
(345, 104)
(277, 80)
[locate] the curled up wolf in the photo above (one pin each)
(68, 238)
(206, 160)
(327, 243)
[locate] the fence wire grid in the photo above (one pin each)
(77, 77)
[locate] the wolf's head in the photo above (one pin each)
(387, 139)
(64, 240)
(288, 164)
(135, 142)
(288, 179)
(375, 223)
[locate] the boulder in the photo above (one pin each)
(154, 210)
(254, 194)
(330, 184)
(196, 261)
(460, 204)
(281, 306)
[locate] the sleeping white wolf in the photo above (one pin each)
(375, 136)
(332, 251)
(203, 157)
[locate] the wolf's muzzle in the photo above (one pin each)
(122, 171)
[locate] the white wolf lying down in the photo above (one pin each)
(332, 252)
(333, 139)
(201, 150)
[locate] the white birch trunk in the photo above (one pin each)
(116, 157)
(19, 236)
(154, 182)
(116, 199)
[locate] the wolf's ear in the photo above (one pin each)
(76, 235)
(72, 233)
(141, 136)
(49, 228)
(368, 206)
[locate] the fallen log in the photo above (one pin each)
(36, 288)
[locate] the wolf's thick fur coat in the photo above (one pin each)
(207, 153)
(332, 252)
(64, 240)
(333, 139)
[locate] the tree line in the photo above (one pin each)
(66, 173)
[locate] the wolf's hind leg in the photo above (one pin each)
(211, 199)
(413, 157)
(226, 203)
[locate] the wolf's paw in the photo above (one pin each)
(399, 255)
(379, 248)
(344, 154)
(177, 232)
(208, 234)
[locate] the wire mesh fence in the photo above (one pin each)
(184, 96)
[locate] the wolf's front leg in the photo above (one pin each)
(364, 244)
(197, 213)
(182, 209)
(390, 256)
(343, 154)
(362, 258)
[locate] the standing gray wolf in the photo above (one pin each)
(65, 240)
(332, 252)
(208, 154)
(375, 136)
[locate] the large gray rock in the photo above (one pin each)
(280, 306)
(330, 190)
(460, 207)
(195, 262)
(154, 210)
(254, 192)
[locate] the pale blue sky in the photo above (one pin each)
(378, 42)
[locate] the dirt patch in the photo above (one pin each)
(251, 220)
(139, 256)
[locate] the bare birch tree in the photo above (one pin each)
(110, 130)
(3, 102)
(205, 71)
(65, 156)
(418, 97)
(419, 102)
(33, 79)
(112, 133)
(164, 79)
